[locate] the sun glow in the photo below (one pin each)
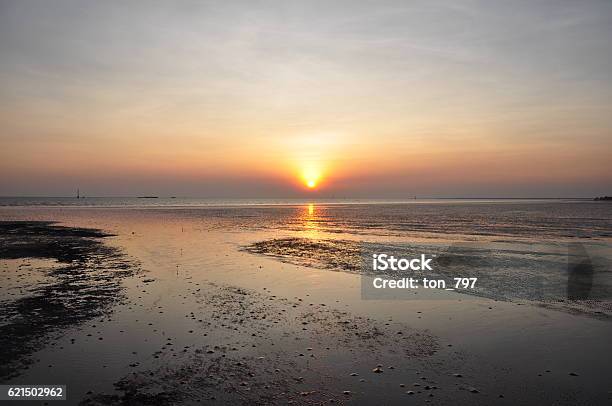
(311, 157)
(311, 177)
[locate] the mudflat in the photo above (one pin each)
(255, 305)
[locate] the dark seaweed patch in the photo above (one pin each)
(85, 284)
(540, 278)
(325, 254)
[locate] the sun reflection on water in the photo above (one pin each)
(309, 216)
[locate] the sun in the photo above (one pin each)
(311, 176)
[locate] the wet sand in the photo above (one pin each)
(200, 319)
(82, 282)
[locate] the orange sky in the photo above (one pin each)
(387, 100)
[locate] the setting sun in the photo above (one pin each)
(311, 175)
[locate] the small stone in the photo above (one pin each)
(474, 390)
(573, 374)
(377, 370)
(354, 374)
(347, 392)
(409, 392)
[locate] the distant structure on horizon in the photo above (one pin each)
(603, 198)
(78, 194)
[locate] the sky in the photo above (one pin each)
(256, 99)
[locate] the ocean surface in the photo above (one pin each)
(529, 218)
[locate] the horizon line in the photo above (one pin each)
(303, 197)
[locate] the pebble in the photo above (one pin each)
(377, 370)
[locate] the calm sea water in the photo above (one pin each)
(508, 217)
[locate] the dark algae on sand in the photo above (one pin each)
(81, 281)
(566, 279)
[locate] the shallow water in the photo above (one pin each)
(539, 219)
(500, 347)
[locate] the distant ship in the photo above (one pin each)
(148, 197)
